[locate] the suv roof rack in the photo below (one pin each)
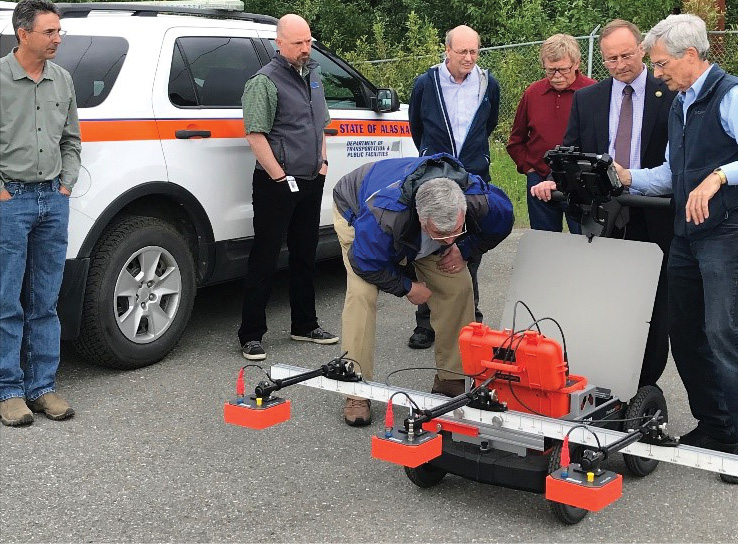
(142, 10)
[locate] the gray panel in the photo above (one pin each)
(601, 293)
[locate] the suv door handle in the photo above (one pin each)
(186, 134)
(330, 131)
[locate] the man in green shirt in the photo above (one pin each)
(39, 163)
(284, 113)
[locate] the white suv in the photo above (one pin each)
(163, 201)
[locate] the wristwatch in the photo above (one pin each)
(325, 161)
(721, 175)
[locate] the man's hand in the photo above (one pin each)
(419, 293)
(623, 174)
(63, 190)
(451, 261)
(699, 198)
(543, 190)
(323, 169)
(4, 195)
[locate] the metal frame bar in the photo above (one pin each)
(687, 456)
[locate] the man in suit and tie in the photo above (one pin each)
(626, 116)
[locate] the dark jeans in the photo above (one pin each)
(278, 211)
(703, 325)
(33, 247)
(422, 314)
(547, 215)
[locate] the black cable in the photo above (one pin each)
(515, 309)
(409, 398)
(260, 368)
(431, 368)
(586, 427)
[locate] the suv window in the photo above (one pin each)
(211, 71)
(93, 61)
(342, 90)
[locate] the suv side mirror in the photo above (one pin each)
(386, 101)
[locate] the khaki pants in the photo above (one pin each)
(451, 304)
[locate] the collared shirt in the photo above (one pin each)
(639, 102)
(540, 123)
(259, 102)
(657, 181)
(461, 99)
(39, 128)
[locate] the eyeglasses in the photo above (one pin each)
(660, 65)
(50, 34)
(465, 52)
(447, 236)
(613, 61)
(563, 71)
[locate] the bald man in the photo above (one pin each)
(453, 109)
(284, 114)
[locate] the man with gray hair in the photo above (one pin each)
(408, 227)
(701, 170)
(39, 164)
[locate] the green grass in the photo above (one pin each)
(506, 177)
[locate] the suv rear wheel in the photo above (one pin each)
(139, 294)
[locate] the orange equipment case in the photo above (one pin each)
(532, 375)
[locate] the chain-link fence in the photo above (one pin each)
(516, 66)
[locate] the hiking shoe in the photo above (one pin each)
(52, 405)
(450, 388)
(422, 338)
(14, 412)
(253, 351)
(317, 336)
(357, 412)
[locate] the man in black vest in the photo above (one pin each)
(701, 170)
(284, 113)
(596, 125)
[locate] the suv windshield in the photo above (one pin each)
(93, 61)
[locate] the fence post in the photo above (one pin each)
(591, 50)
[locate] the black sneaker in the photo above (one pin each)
(317, 336)
(422, 338)
(253, 351)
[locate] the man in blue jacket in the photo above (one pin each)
(408, 227)
(454, 108)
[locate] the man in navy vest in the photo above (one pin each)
(701, 170)
(284, 113)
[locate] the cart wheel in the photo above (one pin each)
(647, 401)
(425, 475)
(571, 515)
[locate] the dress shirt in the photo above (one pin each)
(540, 123)
(462, 101)
(657, 181)
(39, 128)
(639, 102)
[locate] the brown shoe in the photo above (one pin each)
(450, 388)
(357, 412)
(14, 412)
(52, 405)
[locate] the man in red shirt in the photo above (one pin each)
(540, 123)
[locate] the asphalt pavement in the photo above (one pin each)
(148, 458)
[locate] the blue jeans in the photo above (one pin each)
(547, 215)
(703, 325)
(33, 246)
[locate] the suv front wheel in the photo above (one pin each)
(139, 294)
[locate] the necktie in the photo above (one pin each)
(622, 144)
(625, 129)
